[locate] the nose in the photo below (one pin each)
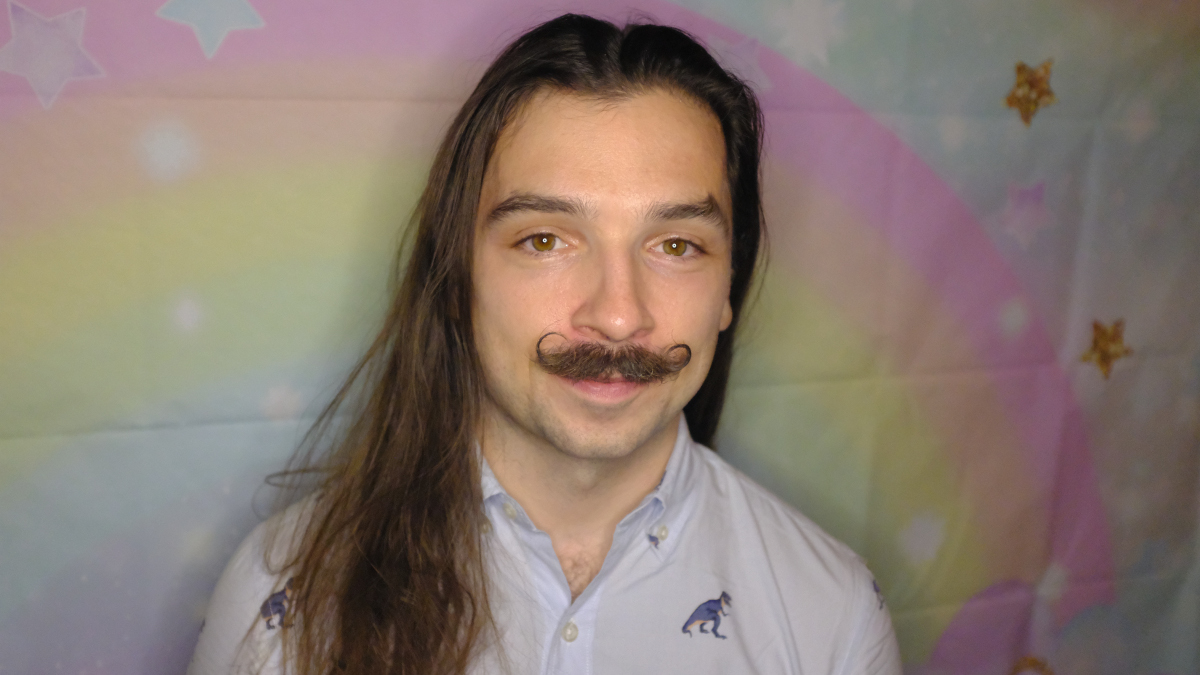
(614, 307)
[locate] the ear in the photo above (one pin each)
(726, 315)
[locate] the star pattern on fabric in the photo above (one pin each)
(188, 315)
(813, 27)
(1032, 90)
(1053, 583)
(1027, 665)
(168, 151)
(282, 403)
(1108, 345)
(1013, 318)
(1025, 213)
(923, 537)
(47, 52)
(212, 20)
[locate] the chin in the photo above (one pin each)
(594, 445)
(598, 440)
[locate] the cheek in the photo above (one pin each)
(693, 309)
(512, 309)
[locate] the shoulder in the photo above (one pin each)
(240, 630)
(750, 510)
(824, 590)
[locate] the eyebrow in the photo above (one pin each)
(706, 209)
(525, 201)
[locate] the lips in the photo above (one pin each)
(612, 390)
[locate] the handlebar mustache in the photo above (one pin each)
(579, 361)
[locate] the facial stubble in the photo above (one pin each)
(593, 361)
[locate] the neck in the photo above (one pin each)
(578, 501)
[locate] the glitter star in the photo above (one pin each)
(47, 52)
(1108, 345)
(1032, 90)
(1031, 664)
(212, 20)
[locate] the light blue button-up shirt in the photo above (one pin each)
(709, 574)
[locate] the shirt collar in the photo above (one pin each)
(488, 483)
(670, 500)
(678, 475)
(675, 495)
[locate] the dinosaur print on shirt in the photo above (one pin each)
(709, 611)
(276, 606)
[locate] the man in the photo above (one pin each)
(521, 486)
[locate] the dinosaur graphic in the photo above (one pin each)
(711, 610)
(276, 606)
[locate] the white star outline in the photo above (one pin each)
(1025, 213)
(811, 28)
(212, 20)
(922, 539)
(48, 53)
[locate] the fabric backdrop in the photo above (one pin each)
(975, 357)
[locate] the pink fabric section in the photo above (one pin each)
(989, 633)
(817, 130)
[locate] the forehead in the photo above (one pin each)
(650, 145)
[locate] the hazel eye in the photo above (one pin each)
(543, 242)
(676, 247)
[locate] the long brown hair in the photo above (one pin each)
(388, 566)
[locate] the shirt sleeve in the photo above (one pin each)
(873, 650)
(240, 633)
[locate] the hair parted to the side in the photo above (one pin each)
(389, 565)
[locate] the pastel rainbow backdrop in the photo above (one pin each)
(895, 374)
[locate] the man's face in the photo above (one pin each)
(604, 222)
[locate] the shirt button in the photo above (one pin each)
(485, 527)
(510, 510)
(661, 533)
(570, 631)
